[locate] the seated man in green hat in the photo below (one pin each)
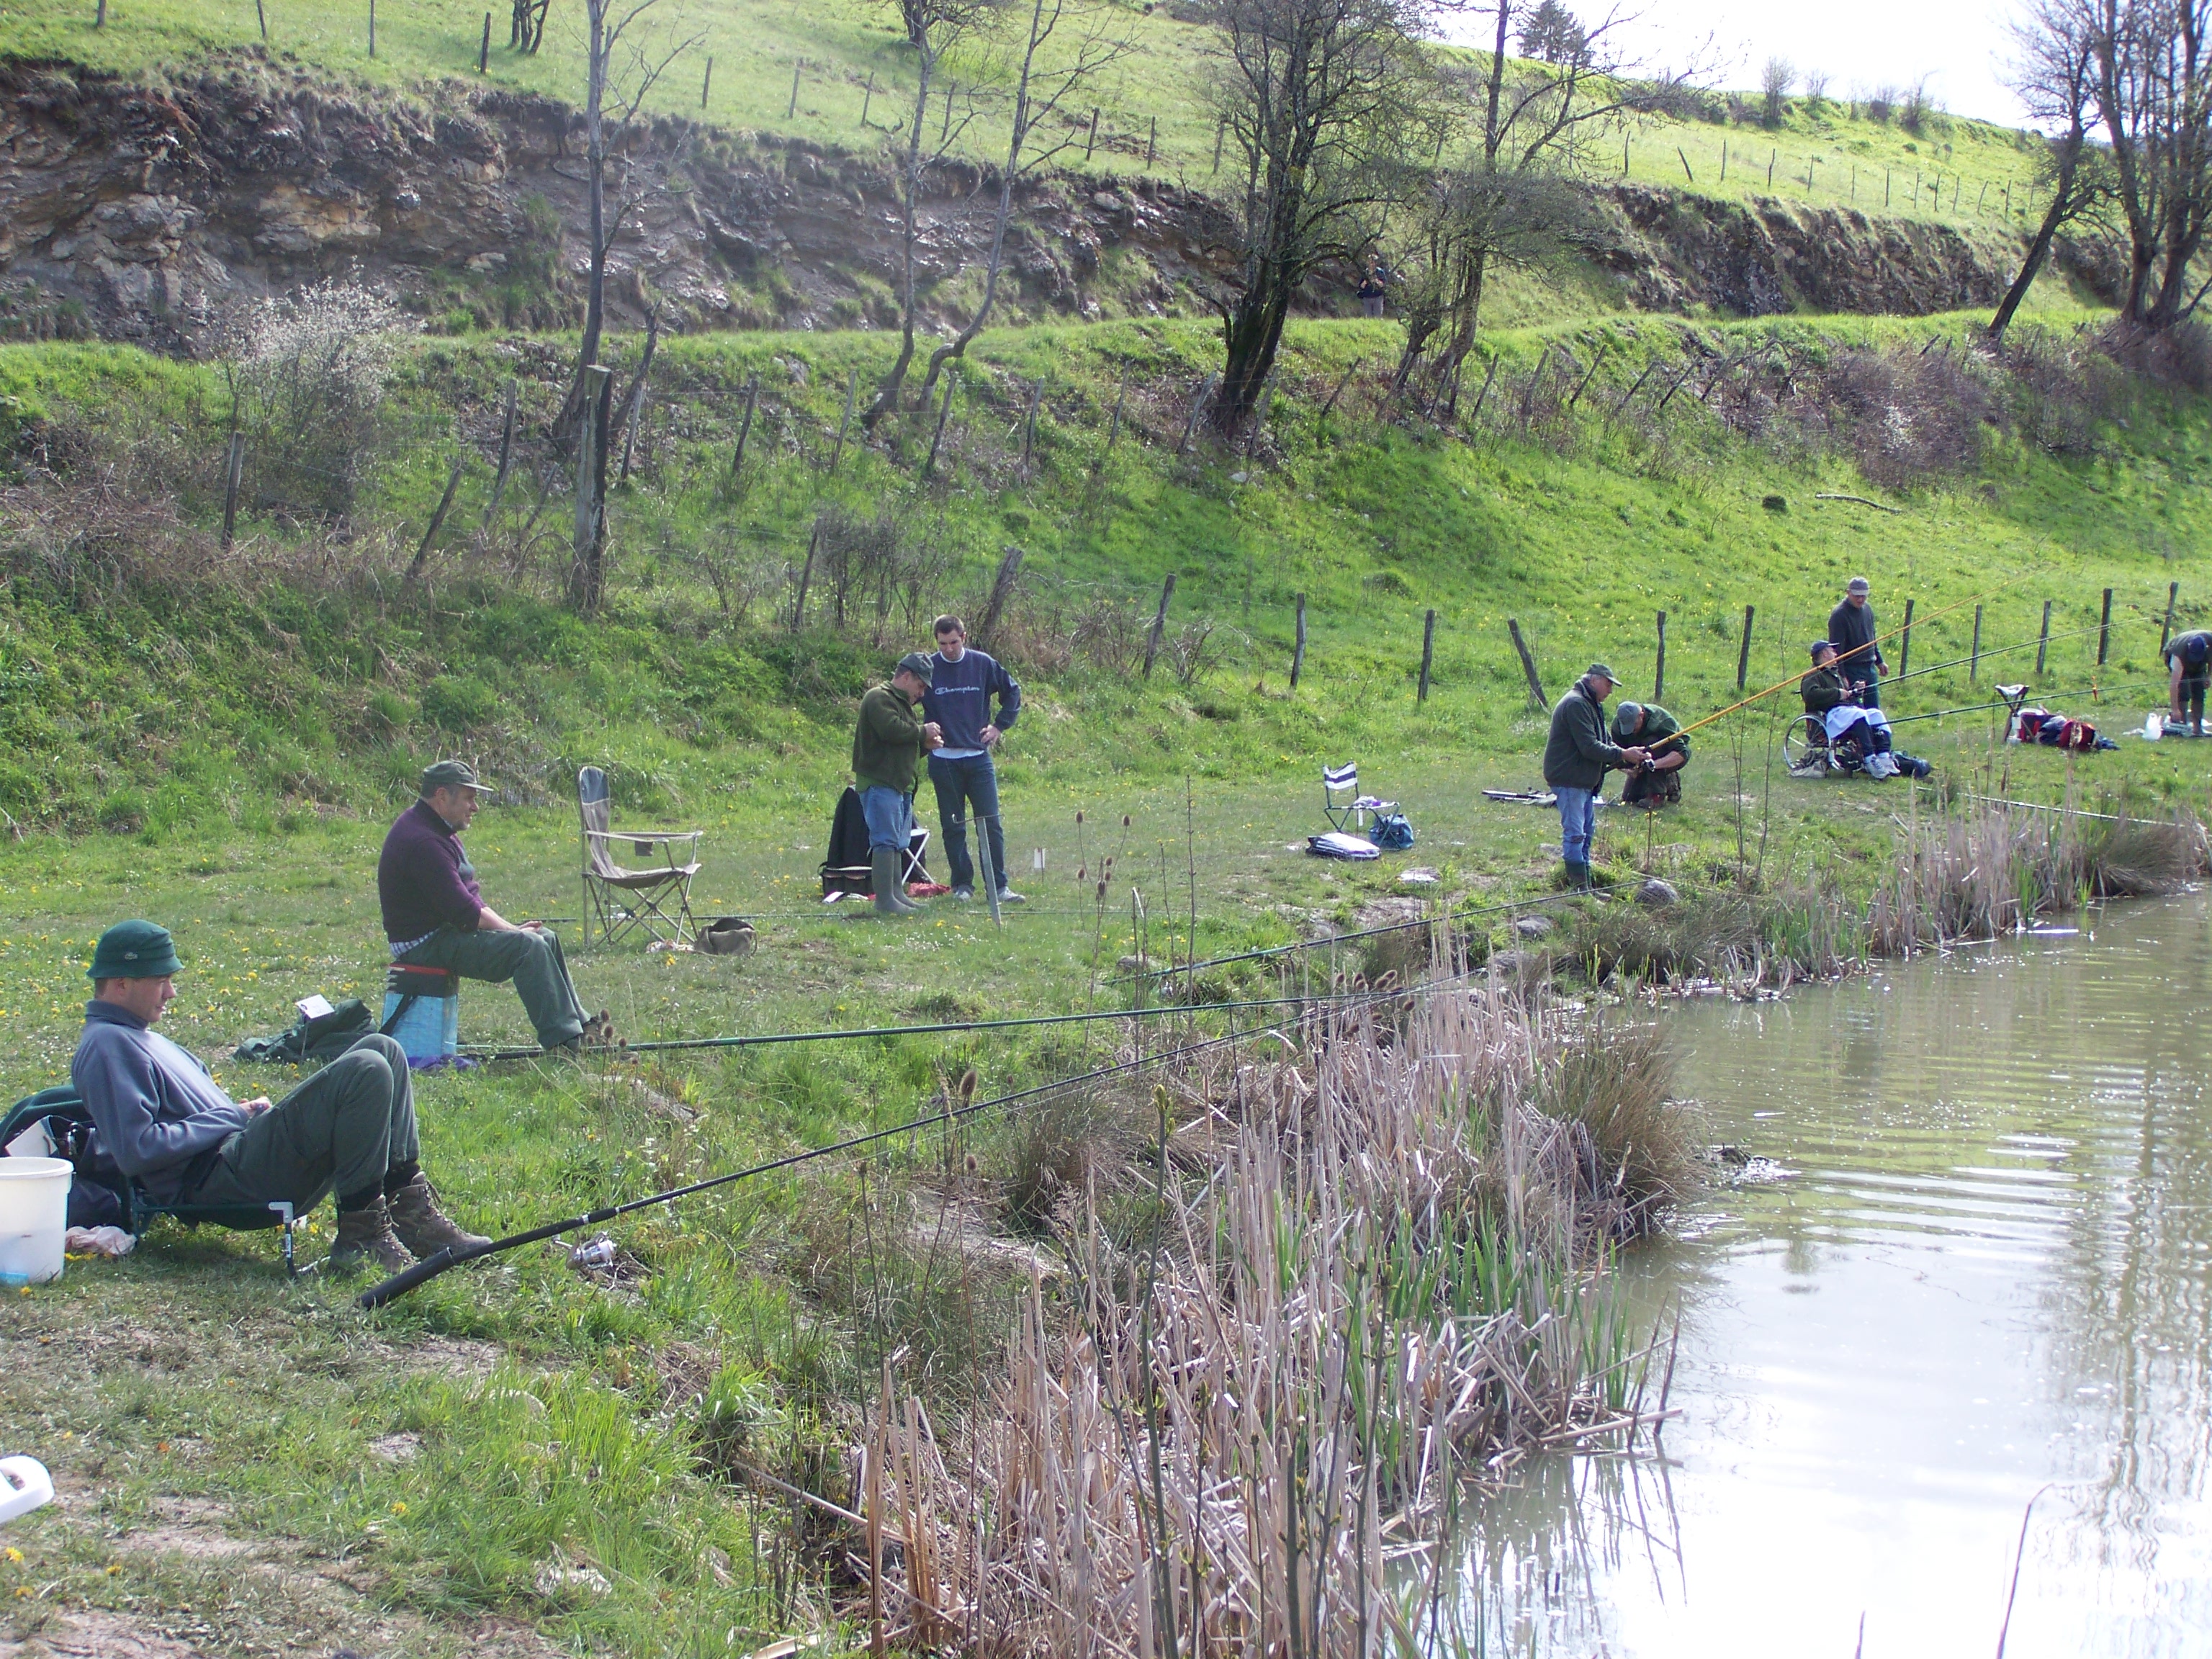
(349, 1129)
(435, 915)
(1658, 781)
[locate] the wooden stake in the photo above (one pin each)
(1029, 423)
(1659, 671)
(506, 452)
(2104, 630)
(2166, 628)
(1536, 697)
(2043, 639)
(706, 82)
(1113, 428)
(260, 17)
(1152, 143)
(234, 469)
(745, 427)
(437, 522)
(1904, 640)
(866, 97)
(372, 24)
(1091, 143)
(1299, 651)
(1974, 652)
(806, 578)
(793, 109)
(1159, 624)
(845, 422)
(1428, 654)
(1743, 651)
(484, 47)
(1686, 174)
(943, 409)
(1220, 132)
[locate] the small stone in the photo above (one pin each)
(1657, 894)
(1532, 926)
(1238, 477)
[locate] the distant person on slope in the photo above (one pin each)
(2189, 655)
(349, 1129)
(1851, 630)
(962, 683)
(435, 915)
(1577, 756)
(1660, 783)
(888, 742)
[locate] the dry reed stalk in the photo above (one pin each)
(1380, 1281)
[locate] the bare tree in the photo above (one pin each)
(1774, 84)
(610, 29)
(2151, 89)
(1040, 95)
(1322, 100)
(1816, 87)
(933, 28)
(2053, 76)
(1535, 122)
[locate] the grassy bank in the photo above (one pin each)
(1154, 110)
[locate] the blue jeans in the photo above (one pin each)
(1577, 824)
(889, 816)
(958, 783)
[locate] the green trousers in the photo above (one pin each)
(532, 960)
(337, 1132)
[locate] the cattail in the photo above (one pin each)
(1078, 817)
(1102, 892)
(1083, 873)
(1125, 820)
(969, 1164)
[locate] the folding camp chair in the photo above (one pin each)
(846, 873)
(62, 1113)
(1350, 814)
(657, 897)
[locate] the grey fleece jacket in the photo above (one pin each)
(156, 1106)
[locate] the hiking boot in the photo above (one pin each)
(422, 1226)
(366, 1240)
(1008, 896)
(891, 901)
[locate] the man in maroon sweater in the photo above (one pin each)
(434, 914)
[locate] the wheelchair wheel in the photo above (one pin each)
(1805, 742)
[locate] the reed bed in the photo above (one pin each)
(1370, 1268)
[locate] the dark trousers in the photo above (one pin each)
(532, 960)
(1866, 680)
(338, 1132)
(960, 783)
(1653, 788)
(2192, 702)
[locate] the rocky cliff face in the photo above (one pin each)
(143, 213)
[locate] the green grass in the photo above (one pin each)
(839, 46)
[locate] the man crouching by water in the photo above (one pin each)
(435, 915)
(349, 1129)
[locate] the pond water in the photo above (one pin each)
(1985, 1276)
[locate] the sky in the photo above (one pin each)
(1960, 45)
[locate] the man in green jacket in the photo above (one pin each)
(887, 747)
(1659, 784)
(1576, 758)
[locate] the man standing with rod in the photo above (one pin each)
(1577, 756)
(962, 683)
(1853, 631)
(887, 744)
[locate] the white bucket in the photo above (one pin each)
(34, 1216)
(2155, 724)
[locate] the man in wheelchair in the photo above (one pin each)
(1839, 734)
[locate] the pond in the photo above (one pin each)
(1980, 1273)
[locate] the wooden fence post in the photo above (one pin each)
(1299, 651)
(1002, 589)
(1904, 640)
(2104, 630)
(484, 47)
(1974, 654)
(1152, 143)
(372, 23)
(1029, 422)
(745, 427)
(794, 110)
(1659, 671)
(706, 81)
(2166, 628)
(2043, 639)
(845, 423)
(595, 377)
(943, 409)
(805, 577)
(1428, 654)
(234, 469)
(260, 15)
(437, 522)
(868, 98)
(1090, 142)
(1220, 132)
(506, 455)
(1743, 651)
(1159, 624)
(1536, 697)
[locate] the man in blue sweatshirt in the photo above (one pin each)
(162, 1118)
(961, 685)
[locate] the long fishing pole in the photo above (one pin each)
(431, 1267)
(1975, 707)
(1781, 685)
(1986, 652)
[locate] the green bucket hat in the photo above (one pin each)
(134, 949)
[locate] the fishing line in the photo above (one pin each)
(429, 1267)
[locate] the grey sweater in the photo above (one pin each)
(156, 1106)
(1579, 751)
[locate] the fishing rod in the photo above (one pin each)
(1781, 685)
(860, 1033)
(1975, 707)
(431, 1267)
(1986, 651)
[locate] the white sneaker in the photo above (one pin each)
(1008, 896)
(965, 895)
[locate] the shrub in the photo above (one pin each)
(458, 703)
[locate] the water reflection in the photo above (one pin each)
(1988, 1275)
